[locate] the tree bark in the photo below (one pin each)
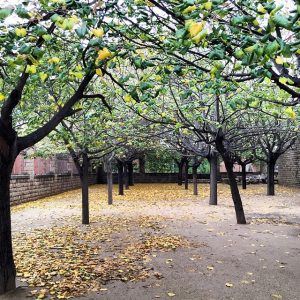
(195, 183)
(126, 177)
(7, 266)
(244, 177)
(271, 183)
(109, 184)
(186, 175)
(213, 161)
(120, 177)
(100, 174)
(142, 164)
(180, 172)
(130, 173)
(236, 197)
(85, 189)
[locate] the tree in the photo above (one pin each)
(280, 135)
(46, 47)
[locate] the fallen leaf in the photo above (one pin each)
(276, 296)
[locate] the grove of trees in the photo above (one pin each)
(112, 79)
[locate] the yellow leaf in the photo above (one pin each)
(200, 36)
(261, 9)
(276, 296)
(210, 268)
(208, 5)
(2, 97)
(189, 9)
(227, 284)
(43, 76)
(99, 72)
(98, 32)
(279, 60)
(290, 112)
(195, 28)
(21, 32)
(53, 60)
(171, 294)
(31, 69)
(103, 54)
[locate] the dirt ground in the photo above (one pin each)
(159, 242)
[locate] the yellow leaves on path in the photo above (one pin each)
(71, 260)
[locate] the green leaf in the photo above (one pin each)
(22, 12)
(40, 31)
(81, 31)
(25, 49)
(282, 21)
(181, 33)
(4, 13)
(146, 85)
(217, 53)
(271, 48)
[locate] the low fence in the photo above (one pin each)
(24, 189)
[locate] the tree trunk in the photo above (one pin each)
(130, 173)
(142, 164)
(244, 177)
(236, 197)
(120, 177)
(100, 174)
(180, 173)
(186, 175)
(109, 185)
(271, 173)
(85, 189)
(195, 183)
(213, 161)
(126, 177)
(7, 266)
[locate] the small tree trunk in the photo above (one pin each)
(120, 177)
(100, 174)
(186, 175)
(244, 177)
(130, 173)
(270, 183)
(213, 160)
(109, 184)
(85, 189)
(236, 197)
(180, 173)
(7, 266)
(195, 183)
(126, 176)
(142, 164)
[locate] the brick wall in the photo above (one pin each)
(23, 189)
(288, 167)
